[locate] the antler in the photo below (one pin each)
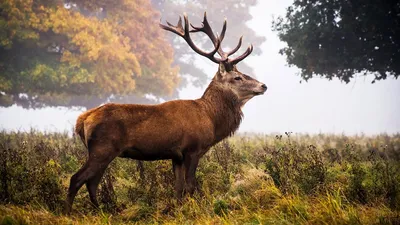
(242, 56)
(206, 28)
(184, 33)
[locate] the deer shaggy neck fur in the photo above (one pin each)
(224, 108)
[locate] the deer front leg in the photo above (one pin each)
(191, 162)
(179, 173)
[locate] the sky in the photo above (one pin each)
(316, 106)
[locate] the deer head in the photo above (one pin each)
(227, 77)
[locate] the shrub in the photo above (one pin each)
(269, 179)
(295, 167)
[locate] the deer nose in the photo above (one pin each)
(264, 86)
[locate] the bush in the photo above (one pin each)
(295, 167)
(273, 179)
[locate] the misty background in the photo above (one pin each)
(316, 106)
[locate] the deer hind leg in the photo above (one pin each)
(91, 173)
(92, 184)
(76, 182)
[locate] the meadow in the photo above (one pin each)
(245, 179)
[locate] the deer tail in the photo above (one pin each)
(80, 125)
(80, 129)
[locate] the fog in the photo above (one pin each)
(316, 106)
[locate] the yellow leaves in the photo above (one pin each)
(22, 22)
(98, 43)
(82, 76)
(5, 85)
(119, 52)
(63, 79)
(39, 71)
(34, 20)
(28, 34)
(83, 40)
(59, 20)
(132, 60)
(6, 43)
(53, 164)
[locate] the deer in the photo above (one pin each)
(178, 130)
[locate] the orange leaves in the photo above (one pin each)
(70, 58)
(112, 62)
(102, 48)
(121, 45)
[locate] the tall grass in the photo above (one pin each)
(272, 179)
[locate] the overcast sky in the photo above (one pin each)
(313, 107)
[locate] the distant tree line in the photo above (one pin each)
(87, 52)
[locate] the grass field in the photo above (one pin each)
(246, 179)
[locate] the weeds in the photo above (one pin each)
(277, 179)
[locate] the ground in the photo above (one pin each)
(246, 179)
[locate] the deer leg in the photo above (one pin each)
(191, 163)
(77, 180)
(91, 172)
(178, 168)
(92, 184)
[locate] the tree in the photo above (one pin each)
(82, 53)
(87, 52)
(339, 38)
(237, 14)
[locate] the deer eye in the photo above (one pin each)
(238, 78)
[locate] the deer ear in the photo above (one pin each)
(221, 69)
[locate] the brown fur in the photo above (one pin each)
(202, 123)
(180, 130)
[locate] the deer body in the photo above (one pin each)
(163, 131)
(180, 130)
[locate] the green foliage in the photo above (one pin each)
(291, 179)
(31, 171)
(220, 207)
(57, 52)
(342, 38)
(296, 167)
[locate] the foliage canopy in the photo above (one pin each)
(52, 52)
(84, 53)
(341, 38)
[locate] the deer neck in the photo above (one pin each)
(224, 109)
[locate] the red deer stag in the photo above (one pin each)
(180, 130)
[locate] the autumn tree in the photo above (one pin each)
(82, 53)
(341, 38)
(237, 13)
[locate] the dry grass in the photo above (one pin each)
(302, 179)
